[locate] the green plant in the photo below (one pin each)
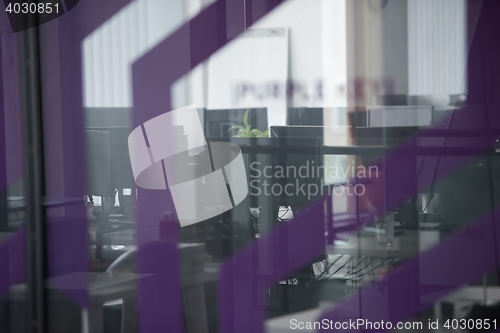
(247, 131)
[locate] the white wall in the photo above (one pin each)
(317, 48)
(394, 30)
(109, 52)
(334, 52)
(436, 46)
(317, 51)
(251, 72)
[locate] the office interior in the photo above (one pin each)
(369, 132)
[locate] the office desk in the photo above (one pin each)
(269, 146)
(474, 294)
(18, 204)
(403, 246)
(364, 243)
(281, 324)
(106, 287)
(101, 288)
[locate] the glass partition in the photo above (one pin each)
(249, 166)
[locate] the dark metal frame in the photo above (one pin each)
(31, 96)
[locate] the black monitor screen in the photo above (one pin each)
(305, 116)
(301, 169)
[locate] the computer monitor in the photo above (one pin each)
(107, 117)
(384, 136)
(399, 115)
(99, 163)
(218, 122)
(299, 169)
(108, 161)
(394, 99)
(358, 119)
(400, 171)
(305, 116)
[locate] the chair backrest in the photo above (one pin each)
(126, 263)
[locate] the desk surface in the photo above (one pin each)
(282, 324)
(474, 294)
(270, 146)
(404, 246)
(18, 204)
(102, 287)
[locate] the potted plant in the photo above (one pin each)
(246, 131)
